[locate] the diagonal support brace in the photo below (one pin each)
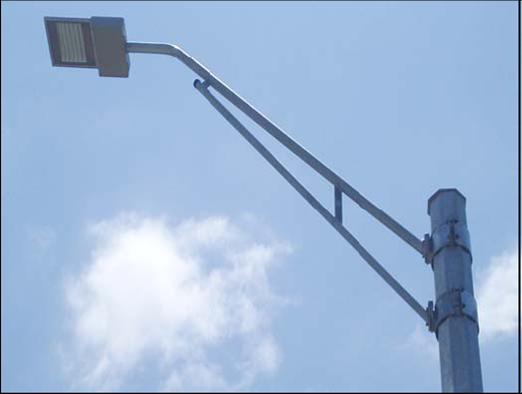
(334, 222)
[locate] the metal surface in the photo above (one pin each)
(109, 40)
(450, 234)
(280, 135)
(455, 317)
(338, 196)
(258, 146)
(456, 302)
(98, 42)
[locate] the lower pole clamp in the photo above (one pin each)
(456, 302)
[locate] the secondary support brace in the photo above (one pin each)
(276, 132)
(341, 186)
(335, 221)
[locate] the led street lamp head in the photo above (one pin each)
(98, 42)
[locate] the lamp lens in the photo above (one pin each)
(71, 41)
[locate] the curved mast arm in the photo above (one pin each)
(280, 135)
(334, 222)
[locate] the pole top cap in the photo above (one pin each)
(440, 191)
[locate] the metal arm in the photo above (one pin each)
(333, 220)
(281, 136)
(340, 186)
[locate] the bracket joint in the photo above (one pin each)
(456, 302)
(451, 233)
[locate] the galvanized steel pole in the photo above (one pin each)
(455, 319)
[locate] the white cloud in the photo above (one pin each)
(497, 296)
(196, 377)
(184, 296)
(421, 341)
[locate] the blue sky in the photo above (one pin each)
(146, 246)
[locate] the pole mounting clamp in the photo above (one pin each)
(427, 248)
(456, 302)
(451, 233)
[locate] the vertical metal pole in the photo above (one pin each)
(455, 315)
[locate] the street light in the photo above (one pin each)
(100, 42)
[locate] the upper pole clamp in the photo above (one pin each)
(451, 233)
